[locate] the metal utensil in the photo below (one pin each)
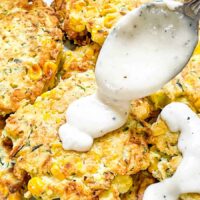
(192, 9)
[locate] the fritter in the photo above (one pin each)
(116, 166)
(80, 59)
(164, 154)
(140, 182)
(85, 20)
(105, 172)
(6, 5)
(10, 187)
(37, 149)
(30, 51)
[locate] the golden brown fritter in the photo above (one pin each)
(6, 5)
(164, 154)
(105, 171)
(68, 174)
(11, 188)
(80, 59)
(114, 168)
(184, 88)
(140, 182)
(29, 54)
(85, 20)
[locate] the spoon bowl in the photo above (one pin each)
(145, 49)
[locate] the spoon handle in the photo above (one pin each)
(192, 9)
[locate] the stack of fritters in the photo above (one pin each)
(30, 51)
(33, 163)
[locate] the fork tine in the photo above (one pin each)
(192, 9)
(195, 6)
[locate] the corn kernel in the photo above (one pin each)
(197, 104)
(58, 120)
(37, 104)
(36, 186)
(56, 149)
(107, 9)
(159, 128)
(89, 52)
(14, 196)
(79, 166)
(68, 63)
(45, 95)
(59, 58)
(56, 172)
(107, 195)
(98, 36)
(3, 190)
(46, 116)
(160, 99)
(153, 166)
(91, 12)
(175, 161)
(79, 5)
(46, 42)
(109, 20)
(68, 54)
(76, 22)
(35, 72)
(50, 68)
(197, 49)
(122, 183)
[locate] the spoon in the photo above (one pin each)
(192, 9)
(147, 48)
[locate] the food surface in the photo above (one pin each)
(10, 186)
(79, 60)
(31, 44)
(86, 20)
(121, 164)
(154, 27)
(66, 174)
(164, 154)
(179, 117)
(113, 158)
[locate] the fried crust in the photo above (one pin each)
(10, 186)
(29, 54)
(106, 171)
(80, 59)
(33, 130)
(86, 20)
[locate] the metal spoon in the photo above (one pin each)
(192, 9)
(123, 54)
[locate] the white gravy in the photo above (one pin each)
(103, 115)
(153, 48)
(145, 49)
(186, 179)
